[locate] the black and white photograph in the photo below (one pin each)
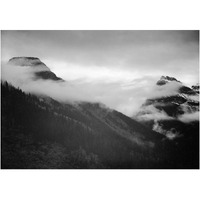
(100, 99)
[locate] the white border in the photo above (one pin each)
(99, 184)
(99, 14)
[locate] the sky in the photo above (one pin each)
(117, 68)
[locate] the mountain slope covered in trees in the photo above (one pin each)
(39, 132)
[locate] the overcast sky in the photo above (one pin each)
(116, 63)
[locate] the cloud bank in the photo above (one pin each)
(189, 117)
(125, 97)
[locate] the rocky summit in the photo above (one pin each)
(41, 71)
(166, 79)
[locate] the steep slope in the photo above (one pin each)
(39, 132)
(41, 71)
(175, 116)
(75, 136)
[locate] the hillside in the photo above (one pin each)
(39, 132)
(175, 116)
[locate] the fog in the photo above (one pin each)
(123, 97)
(189, 117)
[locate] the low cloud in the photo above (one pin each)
(116, 94)
(170, 134)
(168, 89)
(189, 117)
(151, 113)
(123, 95)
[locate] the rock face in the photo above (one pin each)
(166, 79)
(196, 88)
(41, 71)
(27, 61)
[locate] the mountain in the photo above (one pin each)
(175, 116)
(41, 71)
(39, 132)
(174, 108)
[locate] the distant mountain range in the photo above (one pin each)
(39, 132)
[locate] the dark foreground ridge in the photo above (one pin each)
(41, 133)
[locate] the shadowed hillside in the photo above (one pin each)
(39, 132)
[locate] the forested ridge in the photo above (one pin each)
(41, 133)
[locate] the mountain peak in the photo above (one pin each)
(166, 79)
(41, 70)
(27, 61)
(25, 57)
